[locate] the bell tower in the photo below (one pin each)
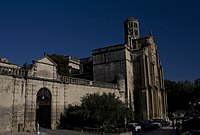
(131, 31)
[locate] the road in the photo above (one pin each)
(63, 132)
(161, 131)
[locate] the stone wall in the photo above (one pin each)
(129, 75)
(108, 62)
(74, 93)
(6, 103)
(18, 98)
(12, 100)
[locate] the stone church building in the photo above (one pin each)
(131, 70)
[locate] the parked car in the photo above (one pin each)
(150, 124)
(191, 132)
(155, 123)
(162, 122)
(146, 125)
(134, 126)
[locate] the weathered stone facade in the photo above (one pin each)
(137, 60)
(131, 70)
(19, 89)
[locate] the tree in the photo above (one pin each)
(197, 83)
(179, 94)
(25, 66)
(103, 111)
(72, 118)
(61, 61)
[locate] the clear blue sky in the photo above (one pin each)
(28, 28)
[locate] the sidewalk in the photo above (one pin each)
(26, 133)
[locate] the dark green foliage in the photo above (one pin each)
(197, 88)
(197, 83)
(103, 110)
(180, 94)
(72, 118)
(26, 66)
(61, 61)
(103, 113)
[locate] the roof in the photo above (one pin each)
(45, 56)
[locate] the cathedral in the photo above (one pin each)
(38, 94)
(137, 61)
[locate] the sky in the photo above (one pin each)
(30, 28)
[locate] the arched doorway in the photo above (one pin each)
(43, 109)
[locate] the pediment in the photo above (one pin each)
(46, 60)
(44, 68)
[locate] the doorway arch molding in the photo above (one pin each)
(44, 108)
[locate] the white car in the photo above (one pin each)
(135, 126)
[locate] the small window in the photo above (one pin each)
(134, 45)
(135, 25)
(131, 24)
(130, 41)
(136, 32)
(131, 31)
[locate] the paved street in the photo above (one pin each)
(64, 132)
(161, 131)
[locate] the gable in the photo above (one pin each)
(46, 60)
(44, 68)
